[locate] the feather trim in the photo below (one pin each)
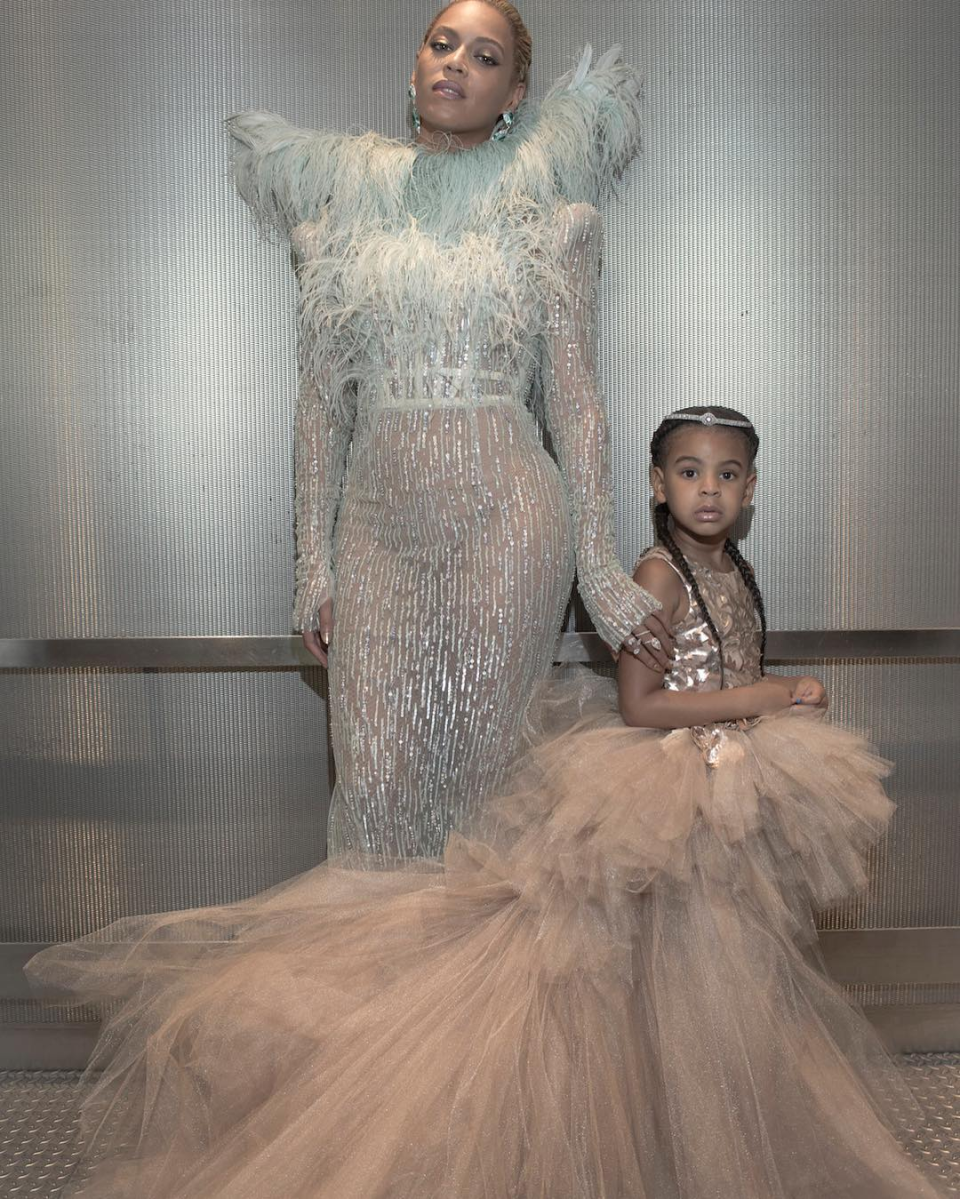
(571, 148)
(590, 124)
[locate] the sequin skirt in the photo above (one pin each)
(453, 561)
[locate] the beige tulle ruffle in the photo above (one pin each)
(610, 990)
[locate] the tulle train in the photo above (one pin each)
(610, 990)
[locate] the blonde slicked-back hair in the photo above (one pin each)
(522, 41)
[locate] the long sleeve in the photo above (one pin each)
(326, 410)
(577, 424)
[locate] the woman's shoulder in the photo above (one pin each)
(588, 125)
(288, 174)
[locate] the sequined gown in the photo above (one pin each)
(436, 290)
(610, 990)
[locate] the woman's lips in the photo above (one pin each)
(451, 91)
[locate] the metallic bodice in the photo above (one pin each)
(697, 666)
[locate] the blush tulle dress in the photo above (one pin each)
(609, 989)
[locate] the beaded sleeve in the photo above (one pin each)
(577, 424)
(326, 410)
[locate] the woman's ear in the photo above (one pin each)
(518, 93)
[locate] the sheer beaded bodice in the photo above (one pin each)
(434, 287)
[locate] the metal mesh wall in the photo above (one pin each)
(788, 245)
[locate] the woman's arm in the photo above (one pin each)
(645, 704)
(577, 424)
(326, 410)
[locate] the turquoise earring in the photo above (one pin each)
(412, 93)
(503, 126)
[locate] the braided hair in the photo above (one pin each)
(661, 518)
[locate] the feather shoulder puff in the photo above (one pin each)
(569, 148)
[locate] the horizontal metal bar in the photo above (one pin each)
(917, 1027)
(283, 653)
(892, 956)
(47, 1046)
(904, 1028)
(880, 956)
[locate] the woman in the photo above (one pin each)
(435, 278)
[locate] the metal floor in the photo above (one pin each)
(40, 1144)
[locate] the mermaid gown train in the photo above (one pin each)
(608, 990)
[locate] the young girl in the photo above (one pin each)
(610, 990)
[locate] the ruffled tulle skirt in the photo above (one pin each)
(609, 989)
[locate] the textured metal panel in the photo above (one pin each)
(909, 711)
(135, 793)
(789, 246)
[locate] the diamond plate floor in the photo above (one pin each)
(40, 1144)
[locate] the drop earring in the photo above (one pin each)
(412, 93)
(502, 127)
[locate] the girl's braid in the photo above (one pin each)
(661, 517)
(746, 573)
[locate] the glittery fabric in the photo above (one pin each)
(698, 664)
(436, 289)
(610, 988)
(455, 548)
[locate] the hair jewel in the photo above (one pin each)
(709, 418)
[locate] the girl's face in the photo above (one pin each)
(464, 75)
(706, 481)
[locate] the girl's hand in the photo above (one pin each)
(317, 641)
(652, 643)
(809, 693)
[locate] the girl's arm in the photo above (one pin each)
(643, 701)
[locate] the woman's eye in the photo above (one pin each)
(487, 60)
(439, 45)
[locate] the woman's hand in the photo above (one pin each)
(317, 641)
(809, 693)
(652, 643)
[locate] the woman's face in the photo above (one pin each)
(464, 75)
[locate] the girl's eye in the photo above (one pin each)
(729, 475)
(688, 473)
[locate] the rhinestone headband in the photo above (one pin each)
(709, 418)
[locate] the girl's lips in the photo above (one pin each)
(707, 513)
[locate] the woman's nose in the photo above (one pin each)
(455, 61)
